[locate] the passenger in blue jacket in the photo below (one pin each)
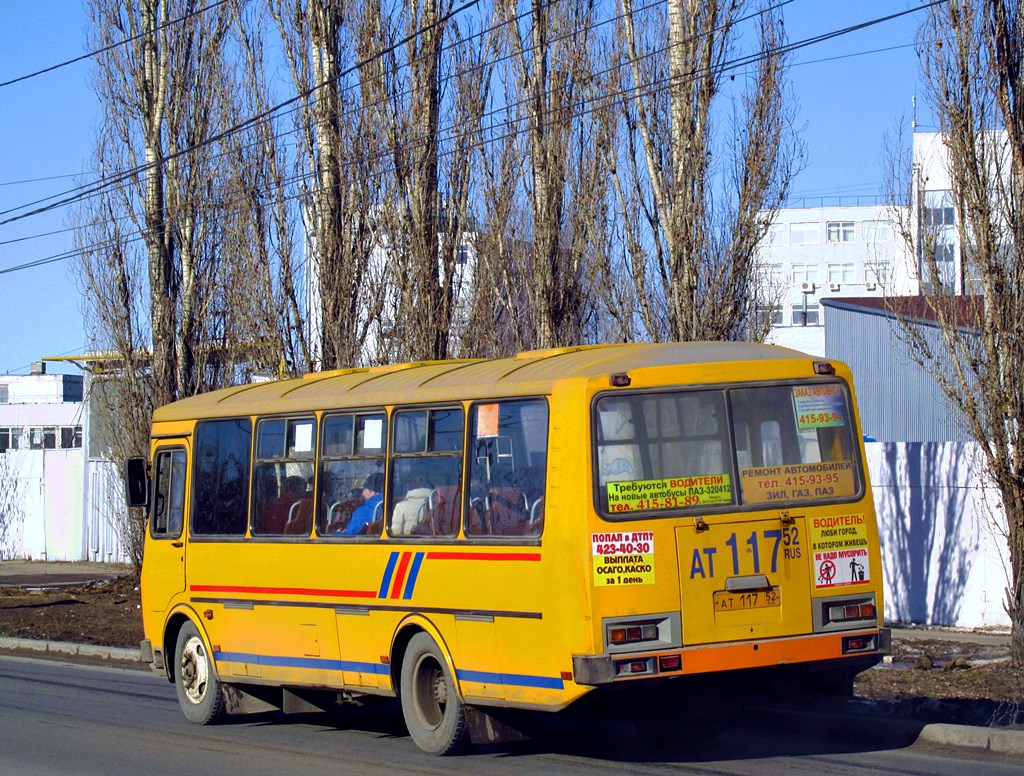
(363, 515)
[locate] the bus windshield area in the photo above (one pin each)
(721, 448)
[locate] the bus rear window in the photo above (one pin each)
(711, 449)
(663, 451)
(793, 443)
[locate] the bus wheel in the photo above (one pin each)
(434, 713)
(199, 691)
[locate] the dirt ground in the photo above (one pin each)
(934, 669)
(107, 612)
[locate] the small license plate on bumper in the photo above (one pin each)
(726, 601)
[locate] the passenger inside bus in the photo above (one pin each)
(290, 510)
(365, 513)
(410, 515)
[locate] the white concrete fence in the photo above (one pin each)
(64, 508)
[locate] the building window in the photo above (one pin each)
(35, 438)
(4, 396)
(772, 314)
(5, 440)
(945, 253)
(842, 273)
(70, 437)
(805, 316)
(840, 231)
(877, 231)
(876, 274)
(806, 273)
(805, 233)
(49, 438)
(938, 208)
(777, 234)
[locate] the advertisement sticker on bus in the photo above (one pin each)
(818, 406)
(839, 544)
(623, 558)
(671, 493)
(806, 480)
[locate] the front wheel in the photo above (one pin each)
(434, 713)
(199, 690)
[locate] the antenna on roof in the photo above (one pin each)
(913, 123)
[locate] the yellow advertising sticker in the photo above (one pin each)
(672, 493)
(623, 558)
(839, 544)
(793, 481)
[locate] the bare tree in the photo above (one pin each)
(431, 87)
(689, 251)
(337, 155)
(553, 66)
(971, 55)
(156, 309)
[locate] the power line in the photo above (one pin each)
(651, 88)
(80, 194)
(265, 114)
(112, 46)
(85, 192)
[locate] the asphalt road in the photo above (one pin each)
(63, 719)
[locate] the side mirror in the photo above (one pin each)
(136, 482)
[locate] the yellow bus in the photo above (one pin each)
(516, 533)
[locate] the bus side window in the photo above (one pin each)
(426, 473)
(221, 479)
(508, 468)
(169, 489)
(352, 474)
(283, 477)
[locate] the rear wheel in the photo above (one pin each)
(434, 713)
(199, 690)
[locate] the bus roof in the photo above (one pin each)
(529, 373)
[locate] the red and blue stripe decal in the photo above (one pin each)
(401, 567)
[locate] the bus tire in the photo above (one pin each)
(199, 691)
(434, 713)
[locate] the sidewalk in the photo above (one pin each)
(925, 632)
(36, 573)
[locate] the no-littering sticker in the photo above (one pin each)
(839, 544)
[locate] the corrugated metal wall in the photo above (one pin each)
(898, 400)
(105, 513)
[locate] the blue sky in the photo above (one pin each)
(846, 105)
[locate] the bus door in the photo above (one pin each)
(163, 569)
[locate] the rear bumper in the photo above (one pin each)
(864, 646)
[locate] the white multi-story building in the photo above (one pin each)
(826, 252)
(817, 253)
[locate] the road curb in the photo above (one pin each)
(863, 722)
(69, 649)
(992, 739)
